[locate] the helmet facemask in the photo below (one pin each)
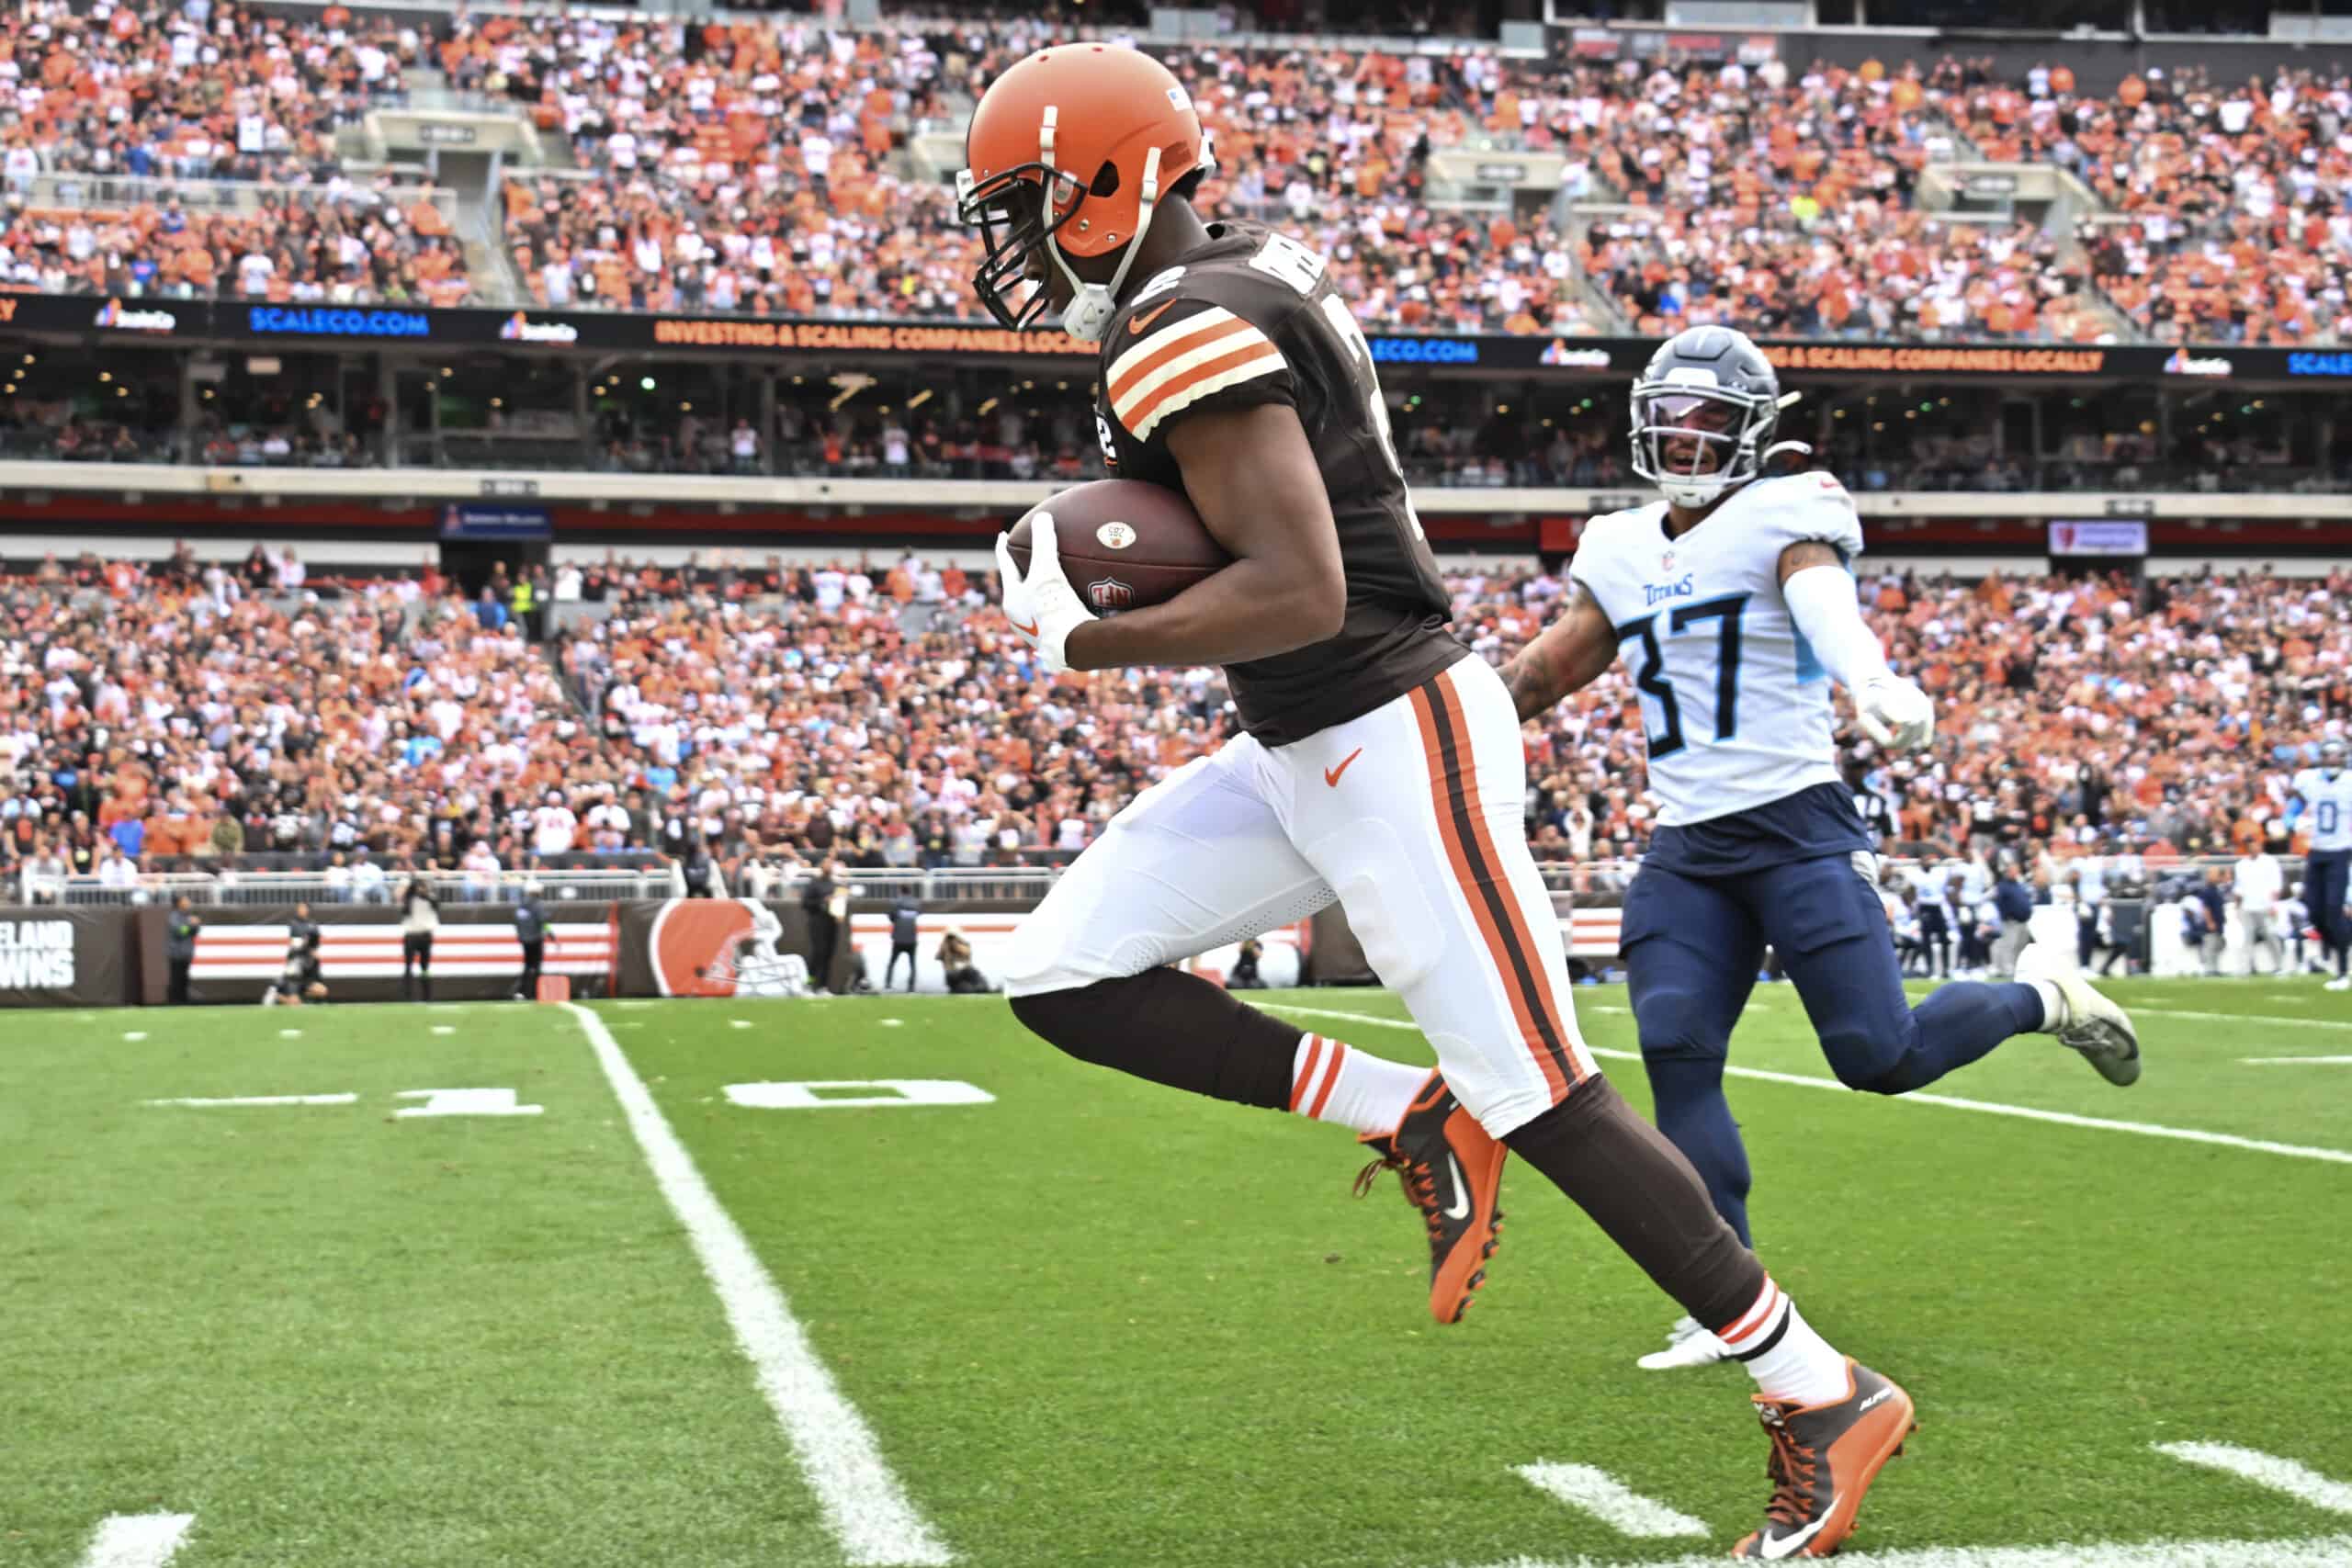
(1695, 440)
(1019, 211)
(1016, 212)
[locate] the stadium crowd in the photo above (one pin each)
(882, 715)
(132, 110)
(1780, 194)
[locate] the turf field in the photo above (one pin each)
(1072, 1319)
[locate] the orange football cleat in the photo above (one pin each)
(1823, 1459)
(1451, 1171)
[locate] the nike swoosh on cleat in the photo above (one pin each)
(1331, 776)
(1791, 1545)
(1461, 1209)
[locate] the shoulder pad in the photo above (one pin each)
(1803, 507)
(1611, 536)
(1191, 334)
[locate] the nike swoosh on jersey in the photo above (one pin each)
(1141, 320)
(1331, 776)
(1461, 1209)
(1201, 355)
(1030, 630)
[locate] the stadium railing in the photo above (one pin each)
(85, 192)
(316, 887)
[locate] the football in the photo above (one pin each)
(1126, 544)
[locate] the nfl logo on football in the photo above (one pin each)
(1109, 594)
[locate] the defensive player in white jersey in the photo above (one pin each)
(1732, 602)
(2326, 792)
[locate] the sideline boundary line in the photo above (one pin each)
(2319, 1551)
(1951, 1103)
(863, 1503)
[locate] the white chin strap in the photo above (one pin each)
(1694, 491)
(1092, 305)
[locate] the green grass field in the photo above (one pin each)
(1094, 1323)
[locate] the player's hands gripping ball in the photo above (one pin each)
(1041, 604)
(1895, 713)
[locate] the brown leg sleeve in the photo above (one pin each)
(1172, 1028)
(1638, 1188)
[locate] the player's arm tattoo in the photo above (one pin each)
(1806, 553)
(1572, 652)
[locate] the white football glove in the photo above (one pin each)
(1042, 607)
(1895, 713)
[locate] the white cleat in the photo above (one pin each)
(1686, 1345)
(2091, 1024)
(2340, 983)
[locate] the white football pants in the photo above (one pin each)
(1410, 817)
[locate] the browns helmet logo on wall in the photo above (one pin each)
(1109, 594)
(712, 947)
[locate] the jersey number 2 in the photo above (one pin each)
(1652, 680)
(1286, 258)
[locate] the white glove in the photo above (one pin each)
(1895, 713)
(1042, 607)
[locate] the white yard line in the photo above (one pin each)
(259, 1099)
(2323, 1551)
(136, 1540)
(1602, 1495)
(2281, 1020)
(863, 1505)
(2297, 1061)
(2282, 1475)
(1951, 1103)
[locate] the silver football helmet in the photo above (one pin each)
(1703, 415)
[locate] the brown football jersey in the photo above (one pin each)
(1251, 317)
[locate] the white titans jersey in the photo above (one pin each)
(1735, 705)
(2327, 806)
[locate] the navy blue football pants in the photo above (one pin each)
(1692, 948)
(2327, 877)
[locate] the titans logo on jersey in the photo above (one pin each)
(1737, 708)
(2327, 808)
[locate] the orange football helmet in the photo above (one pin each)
(1068, 152)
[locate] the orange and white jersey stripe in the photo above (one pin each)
(1191, 358)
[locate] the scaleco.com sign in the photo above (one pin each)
(2319, 365)
(311, 321)
(36, 956)
(1424, 350)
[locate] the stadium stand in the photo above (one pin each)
(183, 718)
(1791, 198)
(191, 153)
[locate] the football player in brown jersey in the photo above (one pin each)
(1380, 763)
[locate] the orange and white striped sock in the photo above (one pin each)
(1782, 1353)
(1332, 1081)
